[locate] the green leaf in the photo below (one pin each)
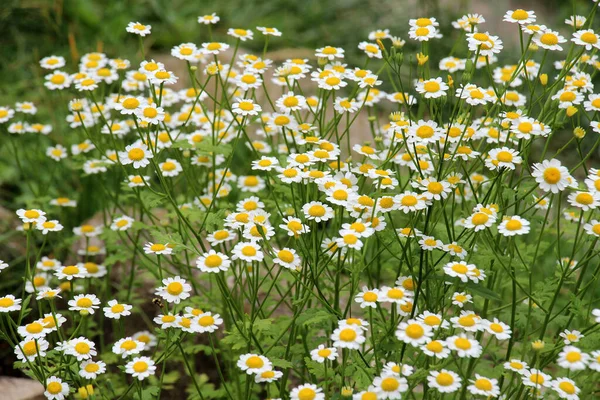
(483, 291)
(281, 363)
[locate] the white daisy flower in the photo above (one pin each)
(254, 363)
(56, 389)
(116, 310)
(140, 368)
(445, 381)
(174, 290)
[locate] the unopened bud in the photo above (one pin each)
(422, 58)
(544, 79)
(399, 58)
(538, 345)
(579, 132)
(571, 110)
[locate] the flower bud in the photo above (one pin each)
(450, 81)
(571, 110)
(538, 345)
(544, 79)
(85, 391)
(399, 58)
(422, 58)
(579, 132)
(397, 42)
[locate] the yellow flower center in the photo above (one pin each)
(422, 31)
(584, 198)
(169, 166)
(444, 379)
(136, 154)
(251, 181)
(435, 187)
(91, 368)
(6, 302)
(249, 251)
(567, 387)
(39, 281)
(206, 320)
(254, 362)
(389, 384)
(435, 346)
(174, 288)
(483, 384)
(409, 200)
(158, 247)
(467, 321)
(414, 331)
(290, 101)
(514, 225)
(432, 320)
(425, 131)
(347, 335)
(504, 156)
(370, 297)
(128, 345)
(82, 348)
(34, 327)
(31, 214)
(350, 239)
(520, 15)
(248, 79)
(525, 127)
(480, 218)
(57, 79)
(140, 366)
(246, 106)
(306, 394)
(589, 37)
(552, 175)
(516, 365)
(84, 302)
(117, 308)
(537, 379)
(431, 86)
(54, 388)
(150, 112)
(30, 348)
(567, 96)
(573, 356)
(549, 39)
(316, 211)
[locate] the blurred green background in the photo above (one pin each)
(32, 29)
